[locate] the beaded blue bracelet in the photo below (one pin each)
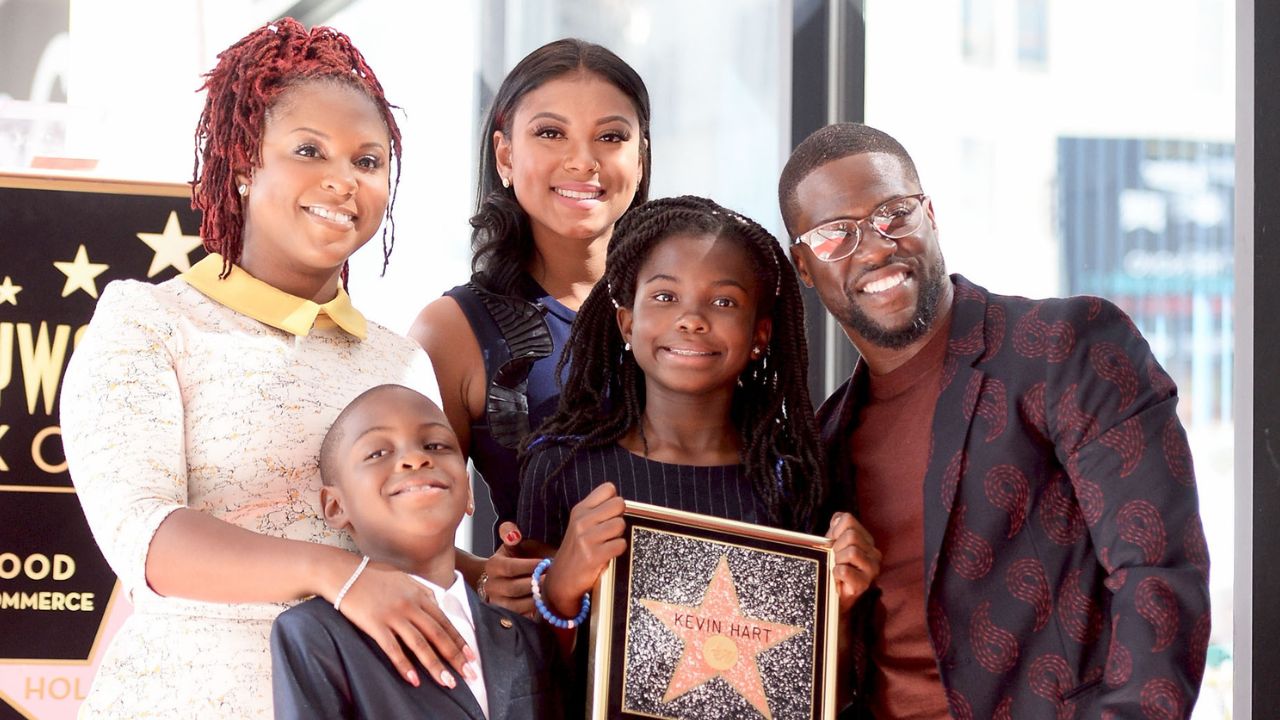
(556, 620)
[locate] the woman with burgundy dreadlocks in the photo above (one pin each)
(193, 410)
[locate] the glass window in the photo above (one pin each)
(1033, 32)
(977, 31)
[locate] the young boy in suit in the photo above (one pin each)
(395, 479)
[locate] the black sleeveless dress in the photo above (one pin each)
(521, 339)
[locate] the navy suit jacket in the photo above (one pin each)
(325, 667)
(1066, 570)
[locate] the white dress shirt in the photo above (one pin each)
(453, 601)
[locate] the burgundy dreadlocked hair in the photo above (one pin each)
(248, 80)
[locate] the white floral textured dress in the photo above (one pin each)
(213, 395)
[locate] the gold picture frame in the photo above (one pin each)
(707, 617)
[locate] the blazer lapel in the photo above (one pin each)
(497, 649)
(835, 443)
(463, 697)
(953, 418)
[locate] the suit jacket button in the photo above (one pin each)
(505, 622)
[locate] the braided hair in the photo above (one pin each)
(249, 79)
(603, 397)
(501, 236)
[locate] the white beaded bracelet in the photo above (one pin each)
(337, 602)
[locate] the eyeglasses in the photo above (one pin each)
(838, 239)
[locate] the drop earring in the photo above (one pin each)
(626, 347)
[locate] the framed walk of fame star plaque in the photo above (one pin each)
(703, 617)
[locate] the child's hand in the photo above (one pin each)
(393, 608)
(507, 573)
(857, 559)
(593, 538)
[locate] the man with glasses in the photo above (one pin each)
(1019, 463)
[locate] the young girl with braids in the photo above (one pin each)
(193, 410)
(686, 389)
(563, 154)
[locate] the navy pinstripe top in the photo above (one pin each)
(719, 490)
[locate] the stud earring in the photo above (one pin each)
(506, 181)
(755, 351)
(243, 189)
(626, 347)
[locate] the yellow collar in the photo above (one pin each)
(248, 295)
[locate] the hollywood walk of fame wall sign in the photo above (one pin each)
(62, 239)
(706, 617)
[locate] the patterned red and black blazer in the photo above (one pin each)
(1066, 566)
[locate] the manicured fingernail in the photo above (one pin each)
(512, 537)
(469, 654)
(469, 670)
(447, 680)
(413, 678)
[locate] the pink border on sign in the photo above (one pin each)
(54, 689)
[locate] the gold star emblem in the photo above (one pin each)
(171, 247)
(9, 291)
(81, 273)
(719, 641)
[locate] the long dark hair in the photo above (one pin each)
(501, 239)
(603, 397)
